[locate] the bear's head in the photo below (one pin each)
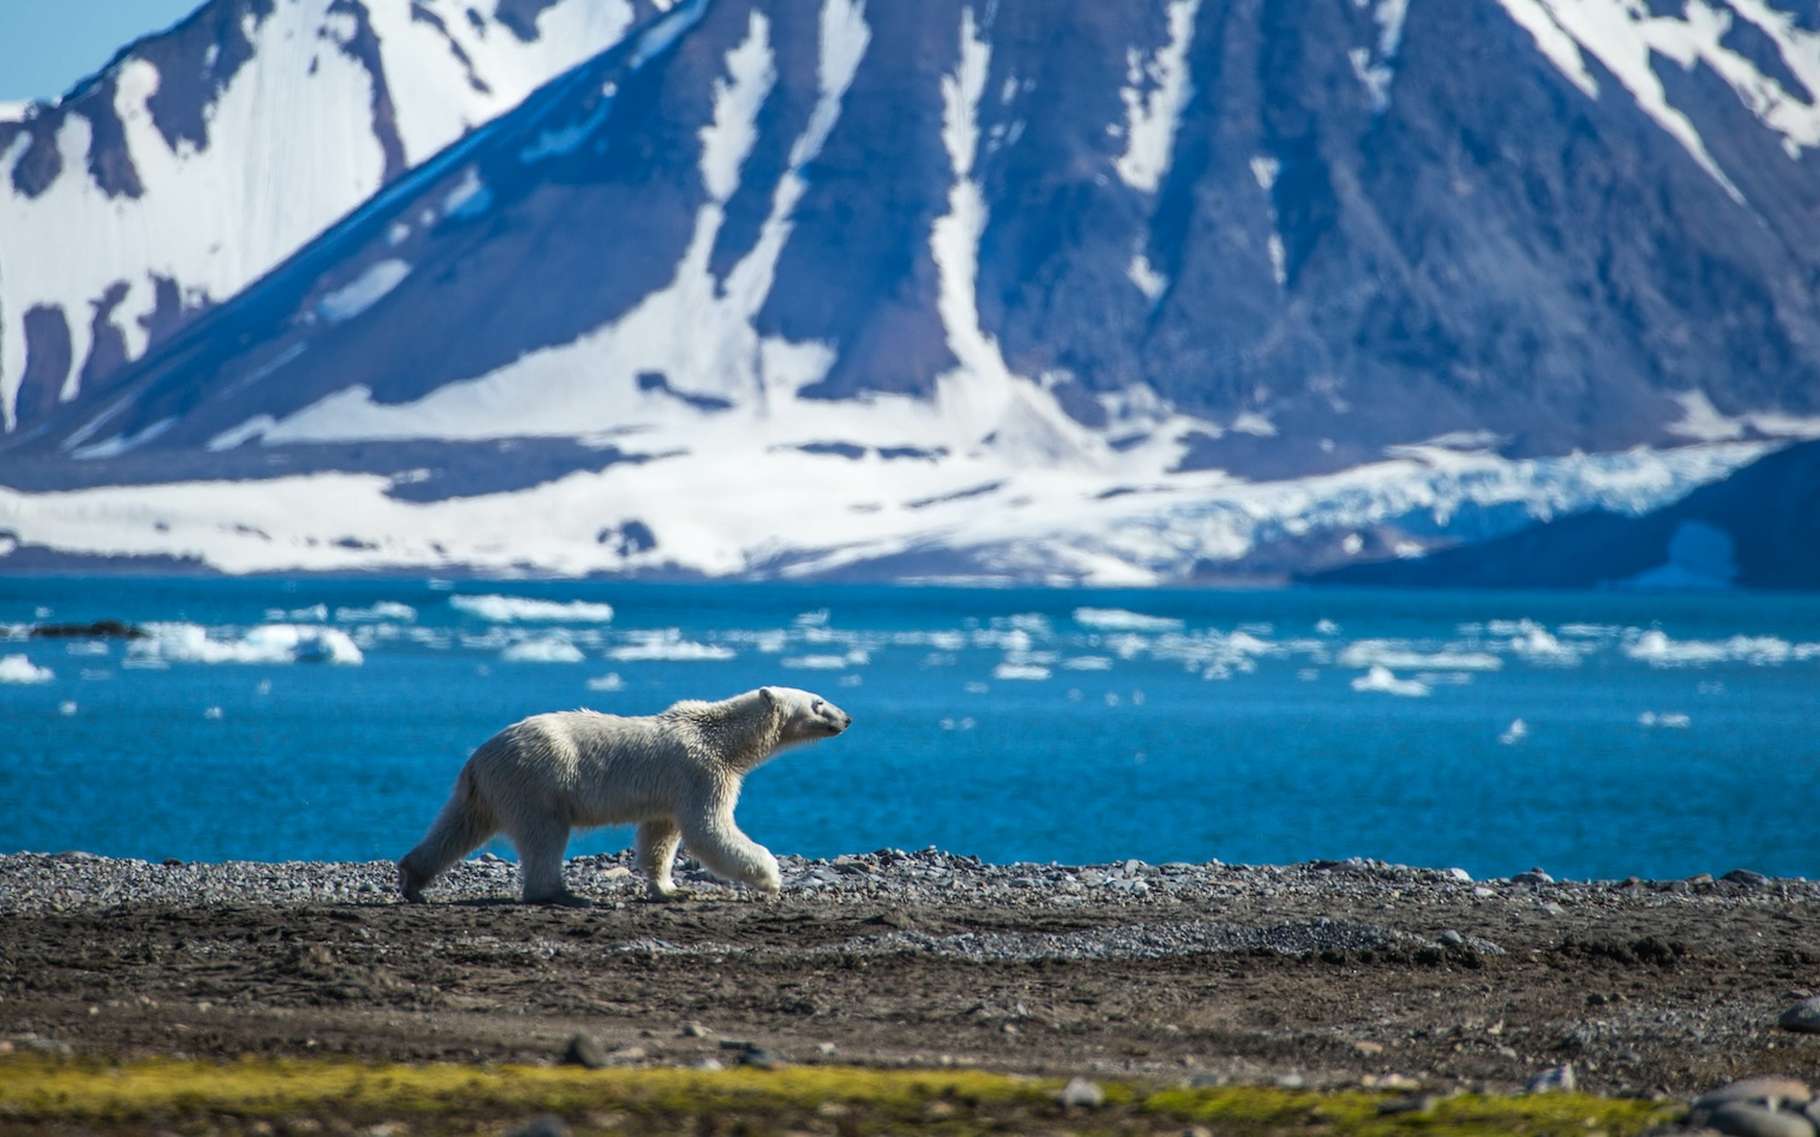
(804, 715)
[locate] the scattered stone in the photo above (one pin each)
(759, 1058)
(1747, 1119)
(1803, 1017)
(584, 1051)
(1533, 876)
(1368, 1048)
(694, 1030)
(617, 872)
(738, 1044)
(710, 1065)
(1451, 938)
(1770, 1091)
(1291, 1082)
(1746, 876)
(1458, 874)
(1411, 1103)
(825, 1048)
(1556, 1079)
(1080, 1093)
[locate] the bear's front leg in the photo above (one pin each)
(656, 845)
(718, 844)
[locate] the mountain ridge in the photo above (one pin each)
(1195, 259)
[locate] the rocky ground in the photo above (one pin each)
(1324, 974)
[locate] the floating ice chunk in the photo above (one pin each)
(67, 708)
(212, 713)
(86, 647)
(1667, 720)
(1397, 653)
(1087, 663)
(1327, 627)
(1008, 670)
(975, 687)
(19, 669)
(509, 609)
(167, 643)
(815, 662)
(383, 610)
(553, 648)
(1120, 620)
(1516, 732)
(317, 613)
(669, 646)
(1380, 678)
(1537, 644)
(1657, 649)
(813, 619)
(608, 682)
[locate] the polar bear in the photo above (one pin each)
(676, 775)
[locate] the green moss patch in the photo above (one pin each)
(48, 1096)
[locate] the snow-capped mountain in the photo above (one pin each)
(1131, 292)
(202, 156)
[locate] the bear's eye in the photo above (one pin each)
(817, 708)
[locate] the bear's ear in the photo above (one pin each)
(769, 696)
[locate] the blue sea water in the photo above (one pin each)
(1660, 735)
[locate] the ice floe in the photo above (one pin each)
(167, 643)
(1119, 619)
(1657, 649)
(553, 648)
(19, 669)
(668, 645)
(1382, 679)
(382, 610)
(510, 609)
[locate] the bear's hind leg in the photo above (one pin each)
(656, 846)
(464, 825)
(540, 846)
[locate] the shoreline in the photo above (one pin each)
(1324, 976)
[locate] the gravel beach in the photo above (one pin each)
(1321, 974)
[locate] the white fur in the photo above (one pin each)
(676, 775)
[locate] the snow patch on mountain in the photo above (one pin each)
(737, 507)
(364, 291)
(1627, 38)
(1703, 422)
(1375, 66)
(299, 114)
(1155, 91)
(697, 332)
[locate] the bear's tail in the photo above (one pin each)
(464, 824)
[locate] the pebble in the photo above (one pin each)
(1746, 876)
(1451, 938)
(1556, 1079)
(1533, 876)
(1803, 1017)
(584, 1051)
(1413, 1103)
(1745, 1119)
(548, 1125)
(1083, 1094)
(1770, 1091)
(694, 1030)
